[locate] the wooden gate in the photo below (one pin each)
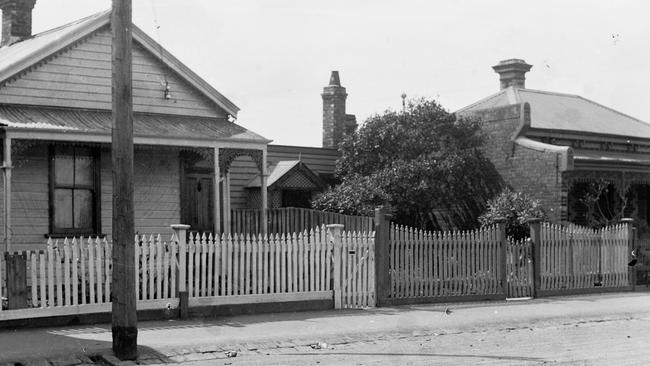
(354, 269)
(519, 269)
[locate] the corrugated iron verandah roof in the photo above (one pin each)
(77, 122)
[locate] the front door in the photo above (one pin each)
(198, 201)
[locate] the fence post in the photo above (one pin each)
(536, 243)
(501, 239)
(180, 231)
(382, 243)
(16, 280)
(334, 235)
(631, 247)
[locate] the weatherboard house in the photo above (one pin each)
(55, 126)
(553, 146)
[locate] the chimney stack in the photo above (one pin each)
(336, 123)
(512, 72)
(16, 20)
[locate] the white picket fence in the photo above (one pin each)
(252, 265)
(73, 276)
(575, 257)
(443, 264)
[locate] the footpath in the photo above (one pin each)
(176, 341)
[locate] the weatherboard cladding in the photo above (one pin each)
(80, 77)
(156, 184)
(41, 44)
(320, 160)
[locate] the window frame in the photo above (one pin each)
(94, 188)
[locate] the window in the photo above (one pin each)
(74, 190)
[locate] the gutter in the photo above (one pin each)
(564, 153)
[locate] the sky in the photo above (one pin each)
(272, 58)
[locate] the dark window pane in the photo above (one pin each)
(63, 170)
(80, 151)
(64, 150)
(83, 209)
(62, 208)
(83, 170)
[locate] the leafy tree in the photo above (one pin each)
(419, 161)
(358, 196)
(516, 208)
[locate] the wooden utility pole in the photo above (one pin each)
(125, 322)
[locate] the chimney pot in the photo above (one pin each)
(512, 72)
(334, 79)
(16, 20)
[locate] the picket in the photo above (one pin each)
(441, 264)
(580, 258)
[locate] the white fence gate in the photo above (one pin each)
(354, 268)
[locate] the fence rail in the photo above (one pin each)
(293, 220)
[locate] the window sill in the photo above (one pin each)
(73, 235)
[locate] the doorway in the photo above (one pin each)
(197, 208)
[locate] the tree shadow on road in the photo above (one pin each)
(63, 345)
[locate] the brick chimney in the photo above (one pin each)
(336, 123)
(16, 20)
(512, 72)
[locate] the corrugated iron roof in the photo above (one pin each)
(557, 111)
(144, 125)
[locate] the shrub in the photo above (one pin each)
(516, 208)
